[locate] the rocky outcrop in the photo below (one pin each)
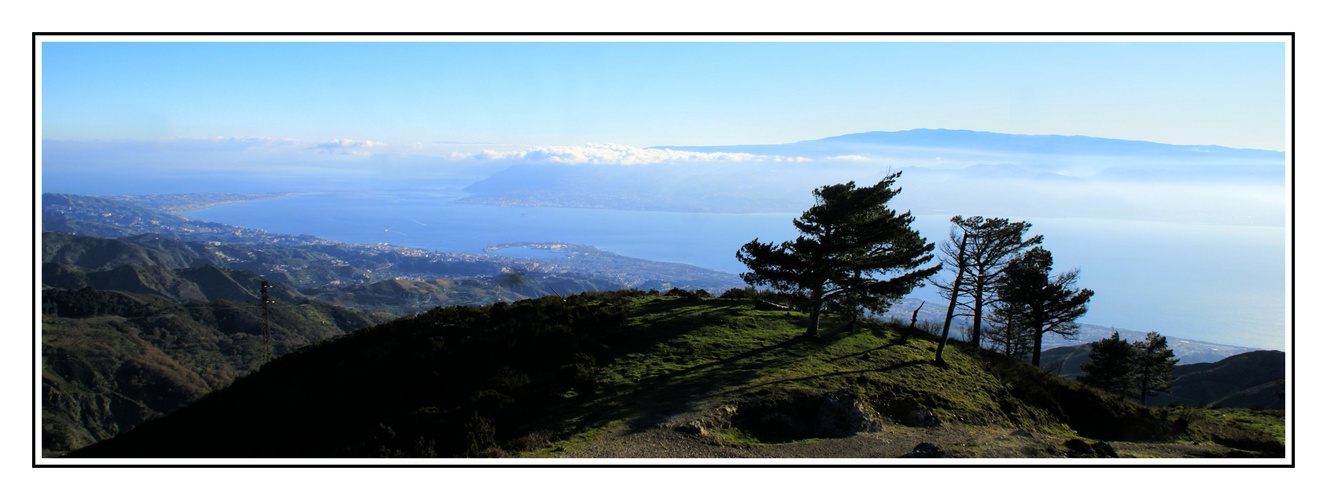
(805, 415)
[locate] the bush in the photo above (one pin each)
(738, 293)
(678, 292)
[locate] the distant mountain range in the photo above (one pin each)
(969, 140)
(945, 171)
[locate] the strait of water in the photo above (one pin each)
(1222, 284)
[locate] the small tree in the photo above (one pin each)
(1154, 366)
(1039, 303)
(978, 251)
(853, 249)
(1007, 334)
(1110, 365)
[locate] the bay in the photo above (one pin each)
(1215, 283)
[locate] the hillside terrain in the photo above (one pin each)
(932, 314)
(1248, 380)
(305, 261)
(112, 360)
(631, 374)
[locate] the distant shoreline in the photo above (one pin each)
(176, 204)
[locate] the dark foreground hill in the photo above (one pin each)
(1247, 380)
(1250, 380)
(112, 360)
(629, 374)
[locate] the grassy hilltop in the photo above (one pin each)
(630, 374)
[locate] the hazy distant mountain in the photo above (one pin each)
(944, 171)
(969, 140)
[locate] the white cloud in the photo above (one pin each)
(347, 146)
(614, 154)
(255, 139)
(850, 158)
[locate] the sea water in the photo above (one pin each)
(1216, 283)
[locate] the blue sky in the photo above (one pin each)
(646, 94)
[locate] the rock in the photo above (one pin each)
(844, 413)
(910, 413)
(925, 450)
(1104, 450)
(802, 415)
(703, 424)
(1021, 433)
(1079, 449)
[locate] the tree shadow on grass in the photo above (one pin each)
(845, 373)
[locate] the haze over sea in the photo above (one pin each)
(1216, 283)
(1158, 166)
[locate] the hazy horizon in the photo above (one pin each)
(1134, 134)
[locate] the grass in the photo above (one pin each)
(689, 356)
(645, 375)
(1258, 431)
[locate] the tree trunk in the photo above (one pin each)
(1036, 349)
(976, 313)
(813, 330)
(913, 325)
(1143, 383)
(1037, 332)
(855, 305)
(953, 301)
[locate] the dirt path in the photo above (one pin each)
(954, 442)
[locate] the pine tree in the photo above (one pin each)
(1007, 333)
(853, 249)
(1110, 365)
(978, 251)
(1154, 366)
(1039, 303)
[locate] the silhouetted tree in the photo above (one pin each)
(1007, 333)
(978, 251)
(1154, 366)
(853, 249)
(1110, 365)
(957, 258)
(1039, 303)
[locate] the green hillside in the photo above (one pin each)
(1247, 380)
(112, 360)
(630, 374)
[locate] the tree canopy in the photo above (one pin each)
(977, 252)
(1110, 365)
(853, 249)
(1031, 298)
(1155, 366)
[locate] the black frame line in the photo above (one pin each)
(505, 463)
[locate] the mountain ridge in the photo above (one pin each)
(932, 137)
(631, 374)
